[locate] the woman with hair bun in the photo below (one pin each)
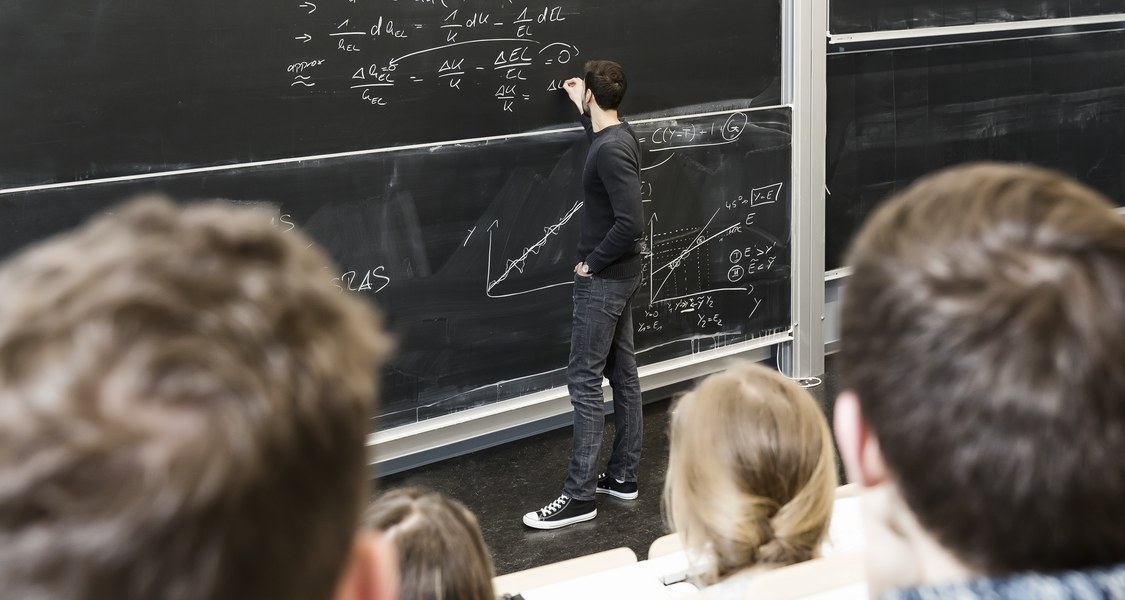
(751, 477)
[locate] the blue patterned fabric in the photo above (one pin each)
(1098, 584)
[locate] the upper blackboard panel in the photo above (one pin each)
(863, 16)
(469, 248)
(894, 116)
(98, 88)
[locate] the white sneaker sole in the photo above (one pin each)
(537, 524)
(616, 494)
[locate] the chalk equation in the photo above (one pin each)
(492, 51)
(696, 135)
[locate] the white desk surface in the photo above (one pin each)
(639, 580)
(643, 579)
(855, 591)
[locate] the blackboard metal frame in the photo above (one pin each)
(280, 161)
(806, 72)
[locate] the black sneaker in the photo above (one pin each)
(560, 513)
(626, 490)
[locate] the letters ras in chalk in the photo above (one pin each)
(373, 281)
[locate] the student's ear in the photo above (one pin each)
(372, 570)
(589, 97)
(859, 448)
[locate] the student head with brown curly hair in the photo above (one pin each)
(984, 407)
(751, 475)
(184, 401)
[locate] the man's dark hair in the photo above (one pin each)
(184, 400)
(984, 333)
(606, 79)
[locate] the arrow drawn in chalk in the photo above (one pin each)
(312, 7)
(306, 38)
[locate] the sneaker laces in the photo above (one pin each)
(553, 507)
(605, 478)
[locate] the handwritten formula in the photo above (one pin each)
(381, 53)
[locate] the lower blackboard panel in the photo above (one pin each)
(468, 249)
(894, 116)
(861, 16)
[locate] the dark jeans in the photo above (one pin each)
(601, 343)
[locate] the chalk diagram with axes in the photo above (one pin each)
(679, 262)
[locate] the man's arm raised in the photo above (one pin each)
(576, 90)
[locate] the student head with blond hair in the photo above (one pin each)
(751, 474)
(441, 553)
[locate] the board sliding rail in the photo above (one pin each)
(434, 145)
(845, 272)
(410, 446)
(877, 41)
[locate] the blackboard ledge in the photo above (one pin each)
(710, 109)
(971, 30)
(440, 438)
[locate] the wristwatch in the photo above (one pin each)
(585, 269)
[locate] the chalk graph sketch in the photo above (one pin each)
(680, 261)
(721, 251)
(513, 267)
(686, 270)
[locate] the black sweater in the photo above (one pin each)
(612, 216)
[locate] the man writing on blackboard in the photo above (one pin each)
(605, 279)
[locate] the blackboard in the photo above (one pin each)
(468, 248)
(426, 145)
(101, 88)
(863, 16)
(894, 116)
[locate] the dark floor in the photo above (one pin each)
(501, 484)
